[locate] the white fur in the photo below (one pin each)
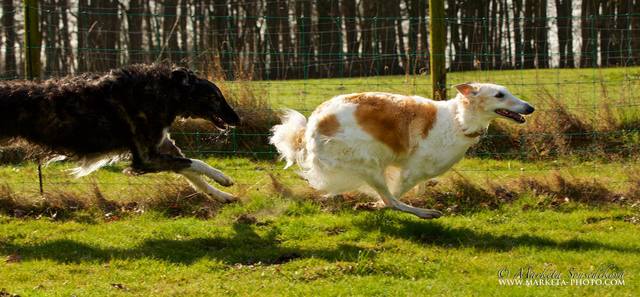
(200, 167)
(87, 165)
(292, 122)
(352, 158)
(201, 185)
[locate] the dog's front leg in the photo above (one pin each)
(200, 184)
(377, 182)
(195, 168)
(168, 146)
(200, 167)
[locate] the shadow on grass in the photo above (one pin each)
(247, 247)
(432, 233)
(244, 247)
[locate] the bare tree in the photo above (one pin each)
(134, 21)
(564, 10)
(588, 32)
(8, 22)
(170, 29)
(329, 40)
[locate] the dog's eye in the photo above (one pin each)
(500, 95)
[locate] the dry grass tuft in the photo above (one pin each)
(460, 194)
(171, 199)
(558, 189)
(251, 137)
(556, 130)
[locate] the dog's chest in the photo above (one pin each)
(439, 155)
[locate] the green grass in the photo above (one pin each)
(300, 247)
(584, 88)
(305, 251)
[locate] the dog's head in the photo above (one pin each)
(493, 101)
(204, 99)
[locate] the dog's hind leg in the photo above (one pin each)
(379, 185)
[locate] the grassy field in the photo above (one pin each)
(113, 235)
(297, 243)
(583, 88)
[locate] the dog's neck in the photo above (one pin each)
(471, 123)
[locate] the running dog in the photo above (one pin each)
(98, 118)
(389, 142)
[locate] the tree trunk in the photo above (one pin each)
(414, 23)
(542, 42)
(82, 35)
(67, 52)
(529, 33)
(288, 55)
(273, 28)
(8, 22)
(50, 22)
(349, 13)
(635, 32)
(603, 23)
(329, 41)
(424, 61)
(184, 33)
(387, 36)
(149, 32)
(134, 20)
(624, 27)
(221, 36)
(169, 30)
(589, 42)
(508, 21)
(565, 32)
(367, 66)
(517, 33)
(304, 46)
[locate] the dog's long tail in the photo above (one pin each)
(288, 137)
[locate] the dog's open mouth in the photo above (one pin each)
(510, 114)
(219, 123)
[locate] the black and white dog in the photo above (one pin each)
(97, 118)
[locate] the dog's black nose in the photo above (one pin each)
(529, 110)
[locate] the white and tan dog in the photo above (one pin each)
(390, 142)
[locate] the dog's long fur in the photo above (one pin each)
(97, 118)
(389, 142)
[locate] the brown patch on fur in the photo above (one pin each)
(298, 140)
(329, 125)
(396, 123)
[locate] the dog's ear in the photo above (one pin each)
(466, 89)
(180, 75)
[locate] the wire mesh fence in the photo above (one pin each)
(575, 60)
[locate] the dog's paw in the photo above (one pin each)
(130, 171)
(428, 213)
(225, 197)
(225, 181)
